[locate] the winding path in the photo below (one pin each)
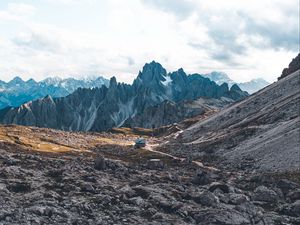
(151, 148)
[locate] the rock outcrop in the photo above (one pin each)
(293, 66)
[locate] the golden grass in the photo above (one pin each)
(54, 141)
(136, 131)
(111, 141)
(27, 139)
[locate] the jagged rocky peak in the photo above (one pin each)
(178, 75)
(47, 100)
(235, 87)
(52, 80)
(224, 86)
(31, 81)
(113, 82)
(153, 72)
(16, 80)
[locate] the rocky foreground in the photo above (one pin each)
(55, 177)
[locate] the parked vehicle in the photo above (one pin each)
(140, 143)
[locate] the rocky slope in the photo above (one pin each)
(169, 112)
(17, 92)
(251, 86)
(261, 132)
(103, 108)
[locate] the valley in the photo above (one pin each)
(149, 112)
(75, 178)
(190, 172)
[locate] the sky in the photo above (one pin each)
(79, 38)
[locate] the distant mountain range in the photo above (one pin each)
(102, 108)
(17, 91)
(250, 86)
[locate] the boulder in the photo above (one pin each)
(218, 217)
(86, 187)
(218, 185)
(291, 209)
(128, 191)
(295, 208)
(201, 178)
(206, 198)
(155, 164)
(137, 201)
(56, 174)
(142, 191)
(286, 185)
(264, 194)
(294, 195)
(237, 199)
(99, 163)
(19, 187)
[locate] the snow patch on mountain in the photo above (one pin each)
(167, 81)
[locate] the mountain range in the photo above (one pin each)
(251, 86)
(17, 91)
(102, 108)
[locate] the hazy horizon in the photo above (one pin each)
(74, 38)
(93, 77)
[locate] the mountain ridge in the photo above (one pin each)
(106, 107)
(17, 91)
(251, 86)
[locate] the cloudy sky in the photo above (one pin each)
(246, 39)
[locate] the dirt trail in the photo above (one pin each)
(151, 147)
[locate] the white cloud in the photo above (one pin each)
(112, 37)
(21, 9)
(70, 2)
(17, 11)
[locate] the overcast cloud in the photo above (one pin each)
(246, 39)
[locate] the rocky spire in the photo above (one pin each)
(152, 72)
